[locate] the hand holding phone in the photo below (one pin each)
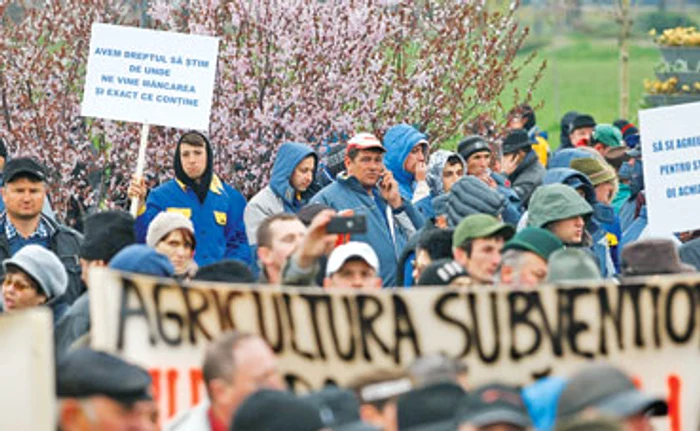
(356, 224)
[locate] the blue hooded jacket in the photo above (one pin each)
(289, 155)
(563, 158)
(347, 193)
(399, 141)
(142, 259)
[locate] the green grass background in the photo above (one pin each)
(582, 71)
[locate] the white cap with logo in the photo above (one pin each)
(353, 249)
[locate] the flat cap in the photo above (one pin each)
(84, 373)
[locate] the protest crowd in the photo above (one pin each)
(376, 212)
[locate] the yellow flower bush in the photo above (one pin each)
(655, 86)
(679, 36)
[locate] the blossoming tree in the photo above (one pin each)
(301, 70)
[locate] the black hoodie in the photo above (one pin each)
(200, 187)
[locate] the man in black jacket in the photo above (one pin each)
(23, 223)
(521, 164)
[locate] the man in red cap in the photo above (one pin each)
(368, 189)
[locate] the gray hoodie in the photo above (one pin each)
(437, 163)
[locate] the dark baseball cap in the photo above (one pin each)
(85, 373)
(340, 409)
(608, 390)
(23, 165)
(494, 404)
(430, 408)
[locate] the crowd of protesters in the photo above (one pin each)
(512, 213)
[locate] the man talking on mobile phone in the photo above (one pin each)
(368, 189)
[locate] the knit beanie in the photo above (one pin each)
(441, 273)
(472, 144)
(105, 233)
(164, 223)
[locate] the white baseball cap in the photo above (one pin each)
(343, 253)
(365, 141)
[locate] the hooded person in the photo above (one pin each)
(563, 211)
(444, 170)
(596, 237)
(521, 164)
(406, 157)
(605, 185)
(215, 208)
(288, 191)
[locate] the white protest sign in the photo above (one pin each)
(150, 77)
(671, 161)
(28, 390)
(649, 328)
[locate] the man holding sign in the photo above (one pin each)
(216, 209)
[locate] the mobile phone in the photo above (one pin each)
(349, 224)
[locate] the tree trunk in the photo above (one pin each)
(625, 30)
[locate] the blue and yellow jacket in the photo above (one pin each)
(218, 221)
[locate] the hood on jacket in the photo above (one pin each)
(572, 178)
(602, 213)
(438, 160)
(289, 155)
(200, 188)
(399, 141)
(563, 158)
(565, 127)
(142, 259)
(555, 202)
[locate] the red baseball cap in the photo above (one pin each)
(365, 141)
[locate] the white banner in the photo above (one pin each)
(151, 77)
(650, 329)
(28, 389)
(671, 160)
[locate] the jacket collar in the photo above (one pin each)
(528, 161)
(354, 184)
(216, 185)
